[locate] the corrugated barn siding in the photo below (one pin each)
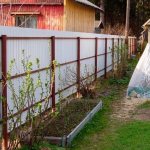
(50, 17)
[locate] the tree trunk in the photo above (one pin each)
(127, 19)
(102, 16)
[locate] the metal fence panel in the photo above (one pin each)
(68, 50)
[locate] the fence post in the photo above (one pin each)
(112, 54)
(135, 45)
(96, 42)
(105, 75)
(121, 51)
(4, 92)
(125, 50)
(133, 51)
(118, 54)
(129, 45)
(131, 48)
(53, 71)
(78, 66)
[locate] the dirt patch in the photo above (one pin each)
(142, 114)
(69, 117)
(126, 108)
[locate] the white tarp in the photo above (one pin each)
(140, 82)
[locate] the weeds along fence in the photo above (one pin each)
(98, 52)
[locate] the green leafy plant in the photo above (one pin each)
(120, 60)
(27, 112)
(122, 81)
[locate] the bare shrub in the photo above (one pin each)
(87, 84)
(117, 29)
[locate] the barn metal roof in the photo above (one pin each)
(86, 2)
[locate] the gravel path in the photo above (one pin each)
(126, 108)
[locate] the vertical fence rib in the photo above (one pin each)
(78, 64)
(121, 51)
(96, 58)
(4, 92)
(129, 48)
(133, 46)
(118, 54)
(125, 50)
(112, 54)
(135, 43)
(53, 70)
(105, 75)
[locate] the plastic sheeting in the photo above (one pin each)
(139, 85)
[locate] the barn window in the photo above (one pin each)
(26, 21)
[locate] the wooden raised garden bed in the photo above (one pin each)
(69, 122)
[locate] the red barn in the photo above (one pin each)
(67, 15)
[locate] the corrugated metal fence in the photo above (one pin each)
(76, 50)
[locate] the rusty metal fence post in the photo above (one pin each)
(4, 93)
(53, 71)
(96, 42)
(78, 65)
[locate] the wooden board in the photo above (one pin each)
(79, 17)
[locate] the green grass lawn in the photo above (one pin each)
(132, 136)
(129, 136)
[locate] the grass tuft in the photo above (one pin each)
(145, 105)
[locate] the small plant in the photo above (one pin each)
(28, 111)
(117, 29)
(122, 81)
(120, 60)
